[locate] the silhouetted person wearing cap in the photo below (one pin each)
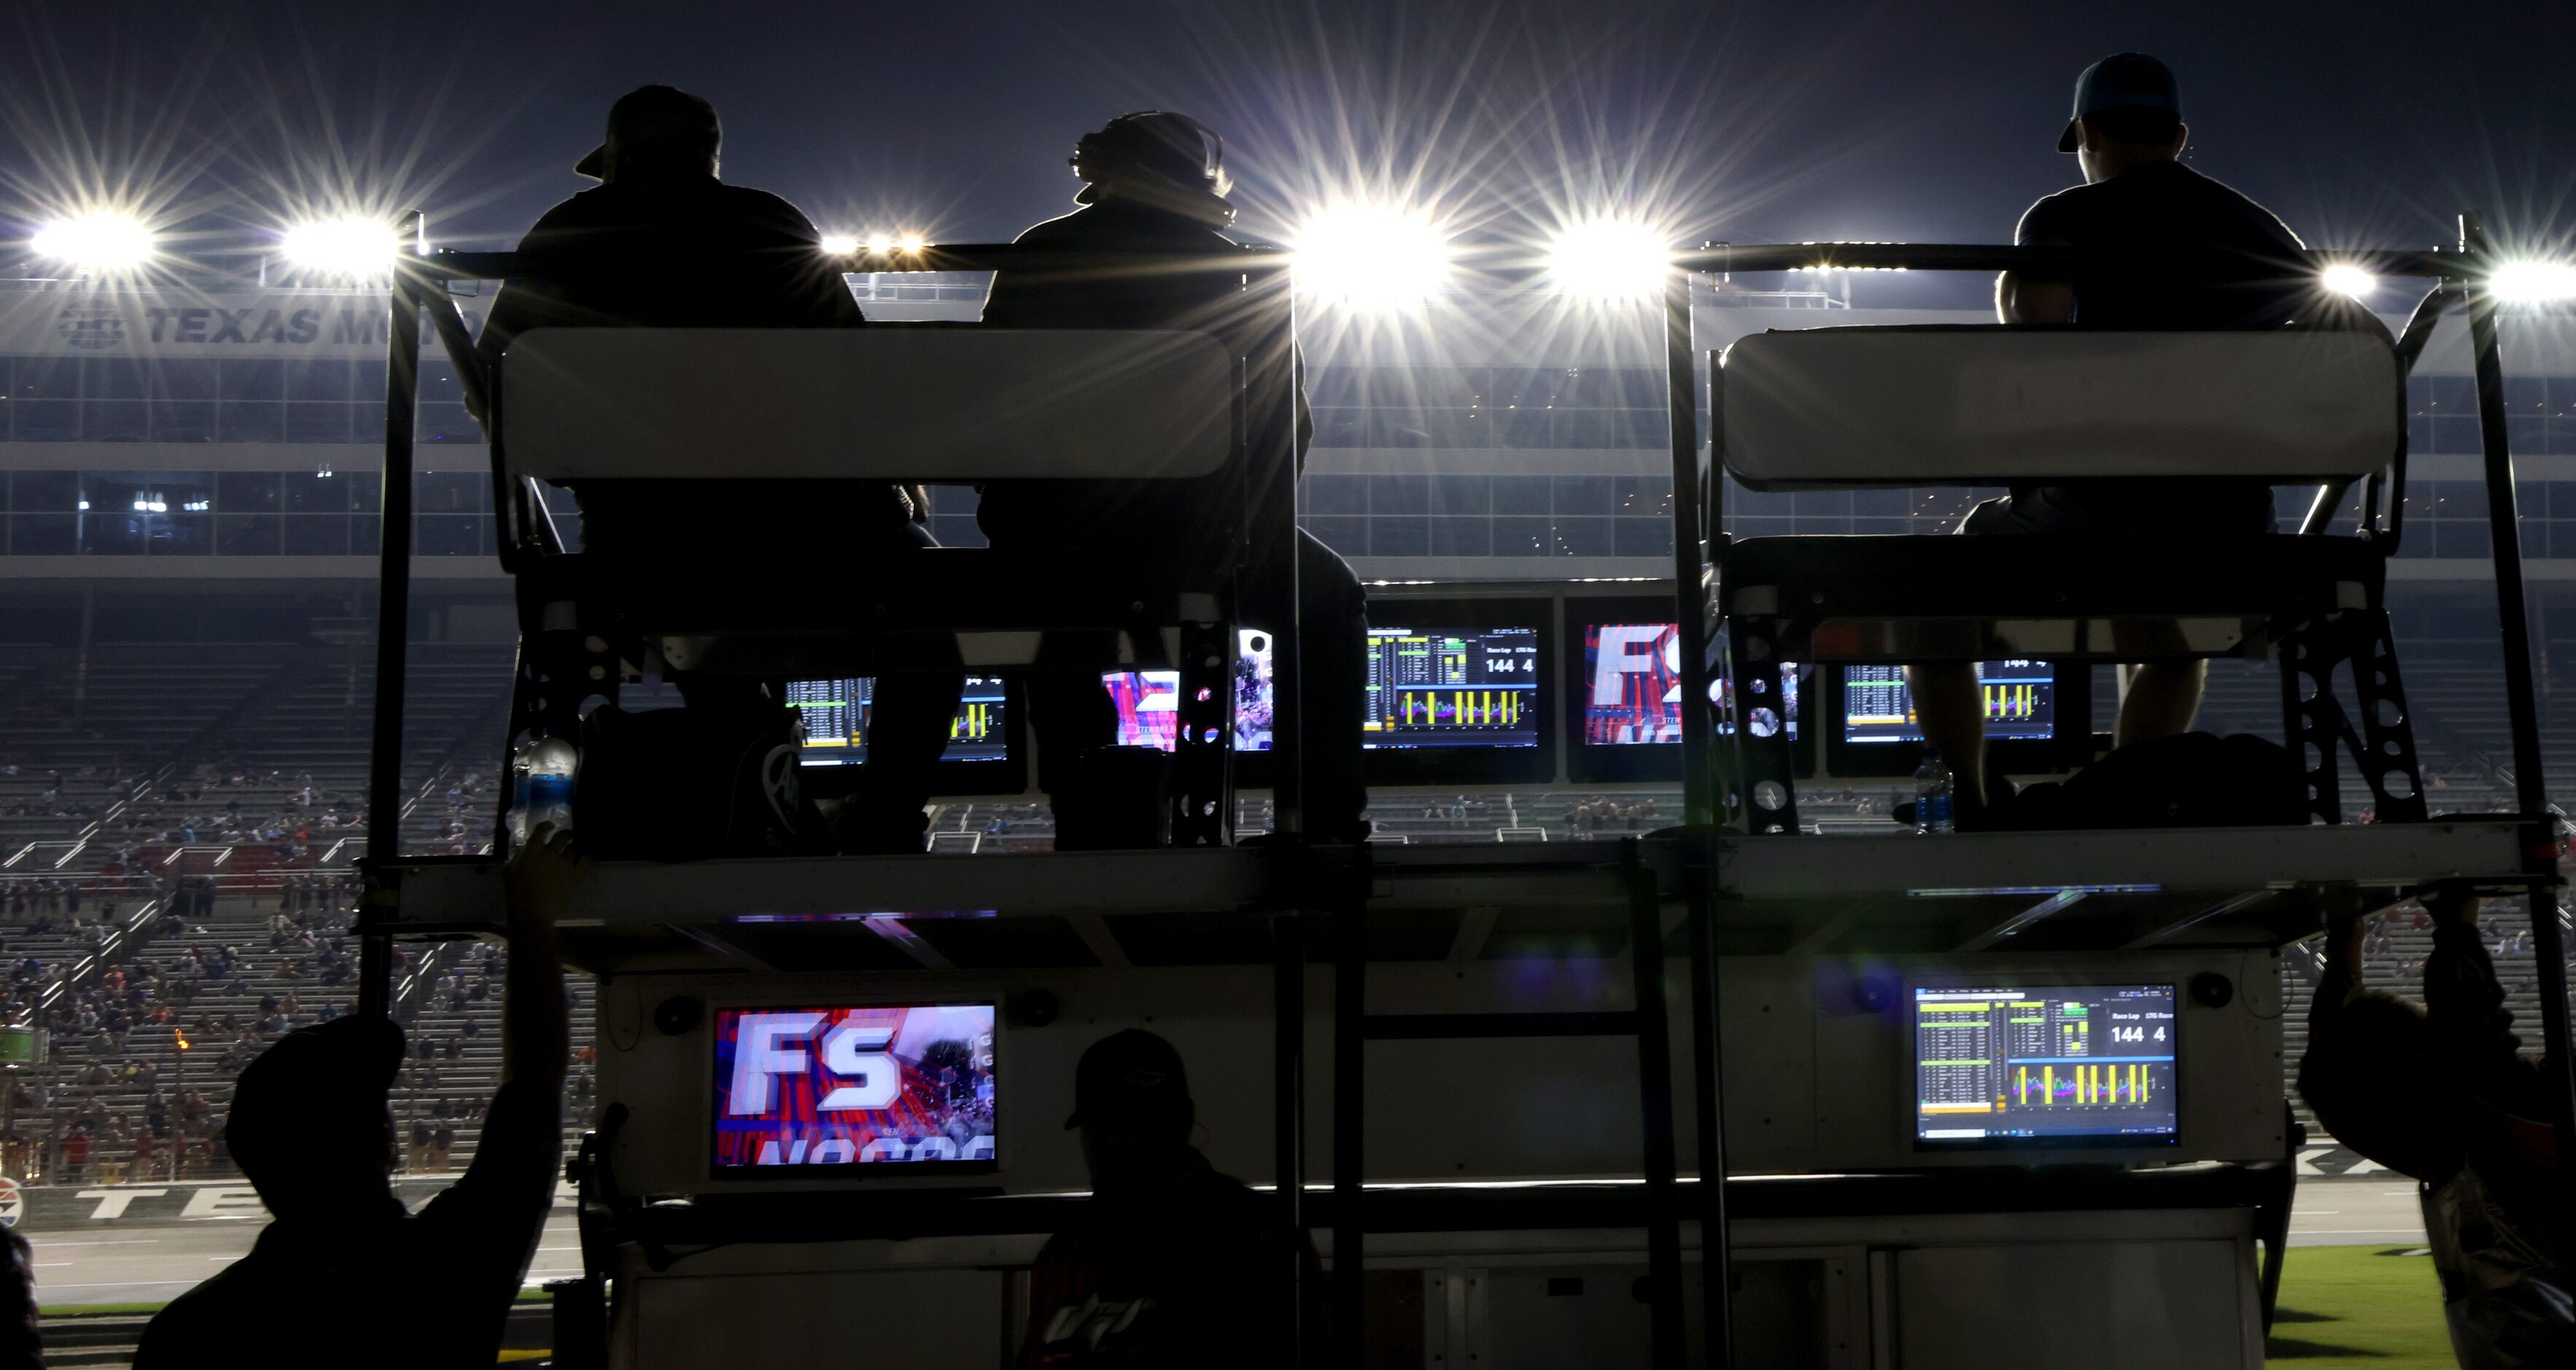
(662, 243)
(2186, 252)
(343, 1275)
(1171, 1264)
(1154, 187)
(2440, 1092)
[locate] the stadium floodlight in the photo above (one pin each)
(2531, 282)
(840, 245)
(100, 240)
(1610, 259)
(2343, 278)
(358, 249)
(912, 243)
(879, 244)
(1371, 256)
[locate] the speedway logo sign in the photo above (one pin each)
(182, 323)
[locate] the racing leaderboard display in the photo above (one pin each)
(2045, 1065)
(2020, 699)
(1452, 687)
(833, 717)
(853, 1085)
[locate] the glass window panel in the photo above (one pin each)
(247, 535)
(1348, 536)
(2419, 432)
(324, 422)
(44, 491)
(438, 379)
(247, 492)
(1582, 494)
(1336, 494)
(1521, 495)
(183, 421)
(951, 531)
(1636, 537)
(1462, 537)
(317, 535)
(252, 421)
(2526, 395)
(45, 420)
(365, 490)
(1756, 526)
(1581, 428)
(1335, 386)
(184, 535)
(1516, 536)
(1461, 494)
(2452, 394)
(254, 378)
(2562, 437)
(1398, 427)
(448, 535)
(1882, 526)
(1431, 387)
(1525, 388)
(365, 532)
(1404, 536)
(2526, 433)
(1821, 504)
(112, 378)
(183, 378)
(44, 535)
(2562, 396)
(1642, 496)
(1523, 428)
(45, 378)
(1465, 428)
(2459, 499)
(1879, 503)
(1340, 427)
(115, 421)
(2462, 538)
(452, 492)
(307, 493)
(114, 531)
(1583, 537)
(1399, 494)
(447, 423)
(317, 378)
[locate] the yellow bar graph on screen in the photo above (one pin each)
(2048, 1084)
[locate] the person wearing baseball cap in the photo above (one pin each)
(2169, 248)
(1169, 1263)
(344, 1274)
(663, 242)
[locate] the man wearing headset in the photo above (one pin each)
(1154, 186)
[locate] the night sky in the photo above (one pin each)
(2358, 122)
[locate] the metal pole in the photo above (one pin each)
(1275, 452)
(1288, 1109)
(1350, 1054)
(1716, 1238)
(1689, 558)
(2531, 795)
(393, 622)
(1655, 1109)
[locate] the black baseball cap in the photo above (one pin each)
(1126, 1074)
(325, 1079)
(2123, 80)
(660, 117)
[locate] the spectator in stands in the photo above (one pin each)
(75, 1154)
(1168, 1263)
(2441, 1093)
(2209, 258)
(335, 1279)
(1153, 190)
(754, 262)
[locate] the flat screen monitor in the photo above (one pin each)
(1149, 702)
(2030, 1065)
(1467, 686)
(2020, 700)
(833, 716)
(808, 1087)
(1626, 685)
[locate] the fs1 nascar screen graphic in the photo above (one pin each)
(854, 1086)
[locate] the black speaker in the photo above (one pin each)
(1034, 1008)
(2209, 989)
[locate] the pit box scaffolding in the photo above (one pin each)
(1506, 1107)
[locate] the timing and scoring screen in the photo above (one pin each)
(1452, 687)
(2045, 1064)
(1149, 702)
(853, 1086)
(1632, 684)
(2020, 697)
(834, 716)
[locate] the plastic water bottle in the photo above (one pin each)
(1932, 793)
(547, 767)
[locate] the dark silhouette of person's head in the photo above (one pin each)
(309, 1123)
(1158, 159)
(2128, 111)
(657, 133)
(1131, 1101)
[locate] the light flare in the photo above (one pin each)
(1610, 259)
(355, 248)
(1371, 256)
(102, 240)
